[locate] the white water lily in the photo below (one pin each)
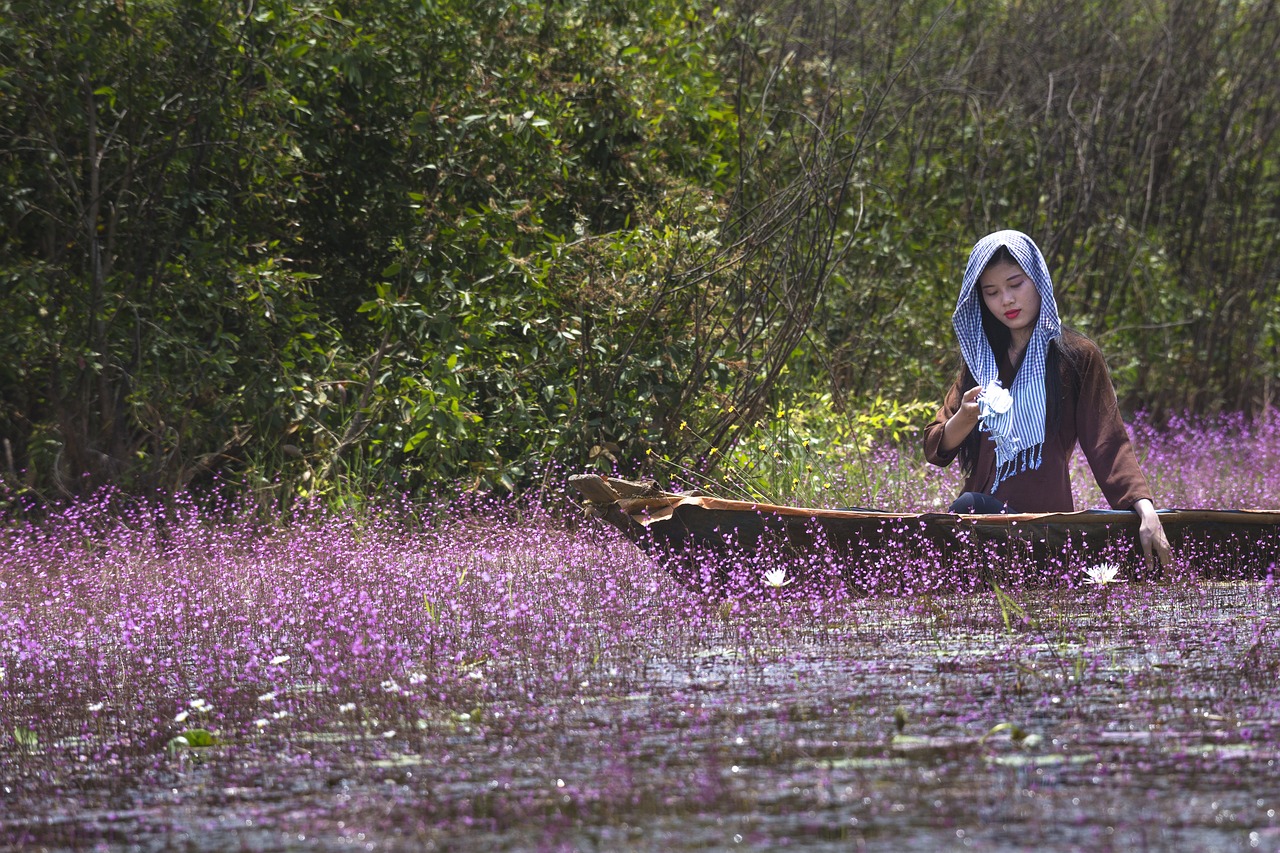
(1102, 574)
(994, 399)
(776, 578)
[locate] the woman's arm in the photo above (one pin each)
(1101, 431)
(954, 421)
(960, 424)
(1105, 442)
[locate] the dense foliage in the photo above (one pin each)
(329, 246)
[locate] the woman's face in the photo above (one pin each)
(1011, 295)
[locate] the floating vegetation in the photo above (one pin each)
(506, 677)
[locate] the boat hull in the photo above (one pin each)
(723, 546)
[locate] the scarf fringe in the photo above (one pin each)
(1028, 458)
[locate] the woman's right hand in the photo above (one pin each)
(969, 406)
(960, 424)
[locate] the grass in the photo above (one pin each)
(496, 675)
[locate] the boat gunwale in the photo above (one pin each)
(645, 503)
(635, 506)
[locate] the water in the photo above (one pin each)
(473, 687)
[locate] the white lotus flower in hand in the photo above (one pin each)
(994, 399)
(777, 578)
(1102, 574)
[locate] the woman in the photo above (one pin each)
(1028, 391)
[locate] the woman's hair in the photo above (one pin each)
(998, 337)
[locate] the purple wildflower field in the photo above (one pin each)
(505, 675)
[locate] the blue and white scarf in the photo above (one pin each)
(1018, 433)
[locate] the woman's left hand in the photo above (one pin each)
(1151, 534)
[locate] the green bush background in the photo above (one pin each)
(329, 248)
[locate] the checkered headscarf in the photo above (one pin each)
(1018, 433)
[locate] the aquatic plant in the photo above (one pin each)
(1102, 574)
(776, 578)
(500, 674)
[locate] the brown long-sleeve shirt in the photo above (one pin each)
(1090, 415)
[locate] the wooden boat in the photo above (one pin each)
(723, 546)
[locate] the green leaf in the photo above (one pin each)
(194, 739)
(417, 439)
